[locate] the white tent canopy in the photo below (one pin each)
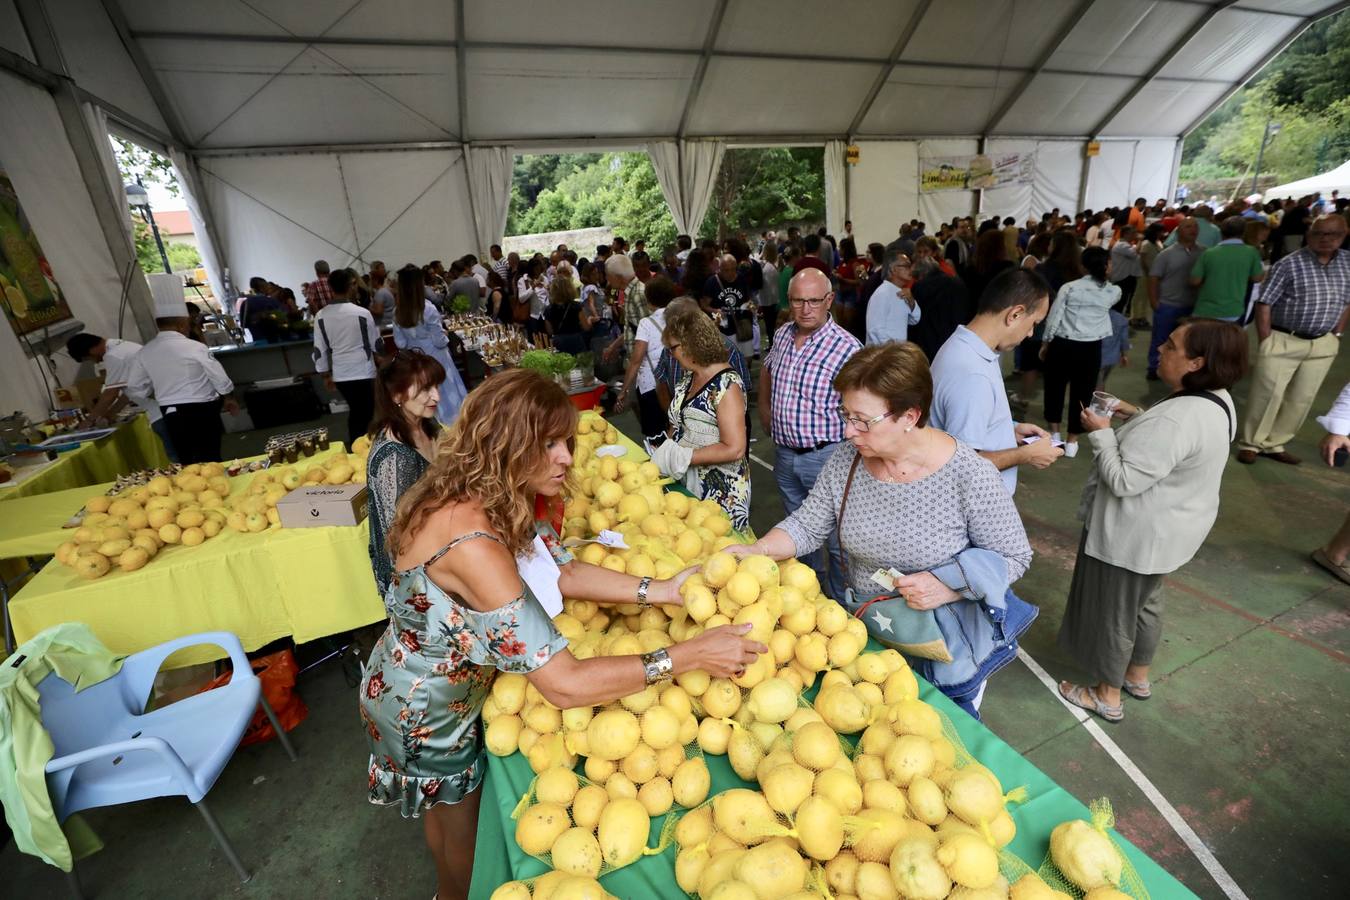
(1338, 179)
(341, 128)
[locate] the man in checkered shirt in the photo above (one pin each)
(1300, 315)
(317, 292)
(799, 406)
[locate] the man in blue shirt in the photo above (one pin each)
(891, 308)
(969, 400)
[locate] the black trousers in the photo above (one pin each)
(195, 429)
(650, 415)
(360, 397)
(770, 314)
(1072, 364)
(1127, 287)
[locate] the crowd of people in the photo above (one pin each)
(896, 449)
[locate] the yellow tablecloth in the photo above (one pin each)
(303, 582)
(132, 447)
(31, 526)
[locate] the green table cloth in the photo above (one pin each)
(498, 859)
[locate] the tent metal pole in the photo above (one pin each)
(1039, 66)
(696, 83)
(461, 74)
(171, 118)
(901, 43)
(1163, 62)
(83, 143)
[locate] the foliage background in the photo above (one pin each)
(136, 162)
(756, 188)
(1307, 90)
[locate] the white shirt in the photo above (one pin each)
(1337, 419)
(650, 330)
(174, 369)
(117, 369)
(341, 345)
(889, 315)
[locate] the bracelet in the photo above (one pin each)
(657, 666)
(643, 586)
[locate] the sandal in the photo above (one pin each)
(1320, 557)
(1139, 690)
(1086, 698)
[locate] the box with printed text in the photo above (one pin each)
(318, 505)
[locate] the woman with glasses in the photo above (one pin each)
(916, 500)
(708, 427)
(417, 326)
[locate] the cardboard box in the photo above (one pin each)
(318, 505)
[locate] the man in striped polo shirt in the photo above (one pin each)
(799, 406)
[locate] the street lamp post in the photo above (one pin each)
(1272, 129)
(138, 198)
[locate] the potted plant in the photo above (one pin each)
(586, 364)
(540, 361)
(460, 304)
(563, 364)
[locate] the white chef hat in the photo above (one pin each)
(170, 299)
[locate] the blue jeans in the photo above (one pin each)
(796, 475)
(162, 430)
(1165, 319)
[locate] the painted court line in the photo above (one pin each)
(760, 461)
(1165, 809)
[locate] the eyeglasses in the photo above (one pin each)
(812, 302)
(862, 425)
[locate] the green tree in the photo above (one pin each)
(758, 188)
(640, 209)
(1305, 89)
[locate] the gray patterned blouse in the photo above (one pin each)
(914, 526)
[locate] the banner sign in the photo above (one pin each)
(980, 172)
(28, 293)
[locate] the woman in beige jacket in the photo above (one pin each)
(1151, 500)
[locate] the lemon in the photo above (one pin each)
(556, 785)
(577, 852)
(192, 537)
(539, 826)
(719, 569)
(969, 861)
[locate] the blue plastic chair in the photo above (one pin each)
(109, 750)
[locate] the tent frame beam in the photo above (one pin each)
(1163, 62)
(888, 66)
(1039, 66)
(705, 55)
(169, 114)
(110, 213)
(1255, 70)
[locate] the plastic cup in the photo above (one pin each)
(1104, 404)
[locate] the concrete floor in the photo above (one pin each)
(1246, 733)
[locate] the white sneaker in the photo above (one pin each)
(1071, 449)
(1055, 438)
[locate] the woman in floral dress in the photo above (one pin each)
(459, 612)
(707, 413)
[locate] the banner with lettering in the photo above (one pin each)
(979, 172)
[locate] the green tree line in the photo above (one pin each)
(1306, 89)
(756, 188)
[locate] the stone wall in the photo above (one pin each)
(582, 240)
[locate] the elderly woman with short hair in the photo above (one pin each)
(915, 499)
(1150, 502)
(708, 425)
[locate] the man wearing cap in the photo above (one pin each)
(116, 355)
(186, 382)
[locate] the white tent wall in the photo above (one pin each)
(278, 213)
(1125, 170)
(46, 178)
(883, 189)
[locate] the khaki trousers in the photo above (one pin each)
(1288, 372)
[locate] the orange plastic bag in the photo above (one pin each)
(278, 672)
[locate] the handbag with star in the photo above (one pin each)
(889, 619)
